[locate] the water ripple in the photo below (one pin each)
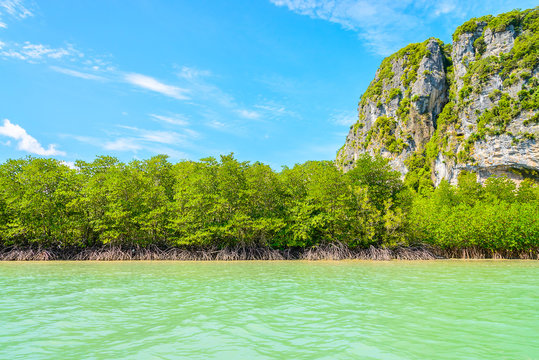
(268, 310)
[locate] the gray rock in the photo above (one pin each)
(513, 152)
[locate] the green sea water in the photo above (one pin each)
(270, 310)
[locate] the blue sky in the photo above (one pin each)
(276, 81)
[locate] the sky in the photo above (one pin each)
(276, 81)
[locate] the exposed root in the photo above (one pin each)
(336, 251)
(478, 253)
(27, 255)
(333, 251)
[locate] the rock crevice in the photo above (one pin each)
(435, 110)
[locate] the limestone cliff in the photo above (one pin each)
(435, 110)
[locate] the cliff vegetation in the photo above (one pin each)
(436, 110)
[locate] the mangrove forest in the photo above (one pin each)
(228, 209)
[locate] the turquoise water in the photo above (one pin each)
(263, 310)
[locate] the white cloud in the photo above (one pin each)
(77, 74)
(153, 84)
(191, 73)
(387, 25)
(37, 52)
(273, 110)
(375, 21)
(14, 9)
(345, 118)
(80, 65)
(12, 54)
(174, 119)
(25, 141)
(134, 145)
(133, 139)
(203, 90)
(216, 124)
(445, 7)
(191, 133)
(69, 164)
(210, 97)
(248, 114)
(99, 64)
(156, 136)
(122, 144)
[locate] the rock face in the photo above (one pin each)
(435, 110)
(407, 94)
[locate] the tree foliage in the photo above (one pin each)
(228, 203)
(496, 217)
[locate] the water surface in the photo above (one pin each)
(263, 310)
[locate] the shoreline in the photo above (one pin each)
(321, 253)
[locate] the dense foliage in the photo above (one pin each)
(206, 203)
(228, 203)
(496, 217)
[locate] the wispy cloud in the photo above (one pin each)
(133, 139)
(373, 20)
(228, 124)
(445, 7)
(15, 9)
(273, 110)
(156, 136)
(281, 84)
(202, 89)
(37, 52)
(248, 114)
(85, 67)
(345, 118)
(386, 25)
(216, 124)
(133, 145)
(152, 84)
(122, 144)
(187, 72)
(174, 119)
(25, 141)
(209, 96)
(66, 59)
(76, 73)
